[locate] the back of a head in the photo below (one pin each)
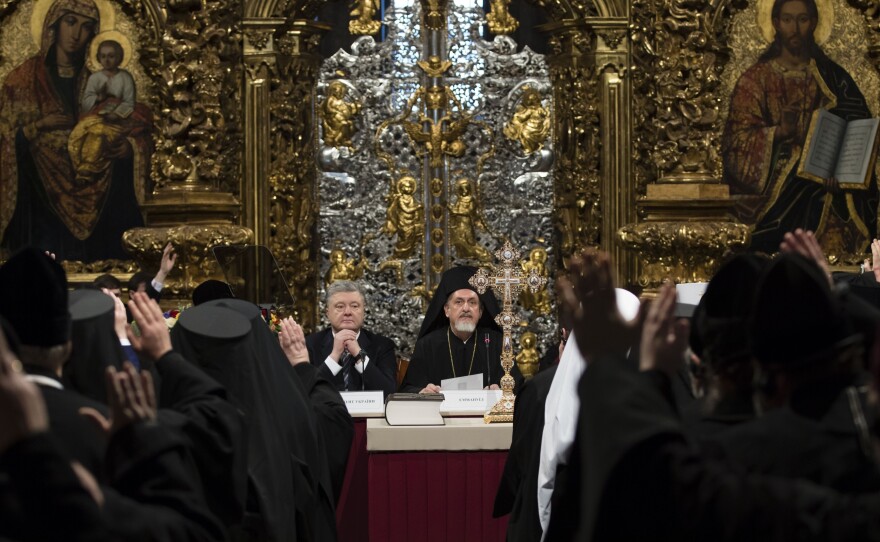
(33, 298)
(107, 281)
(210, 290)
(719, 331)
(137, 279)
(95, 344)
(213, 338)
(797, 322)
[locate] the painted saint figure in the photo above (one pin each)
(770, 113)
(42, 203)
(110, 114)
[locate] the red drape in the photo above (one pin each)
(435, 496)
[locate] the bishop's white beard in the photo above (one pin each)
(465, 327)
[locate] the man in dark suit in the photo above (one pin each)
(348, 355)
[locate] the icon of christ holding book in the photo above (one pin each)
(771, 121)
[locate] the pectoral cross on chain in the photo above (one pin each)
(508, 280)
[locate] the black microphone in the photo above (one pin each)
(488, 365)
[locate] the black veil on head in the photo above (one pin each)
(95, 344)
(219, 340)
(275, 369)
(453, 279)
(229, 339)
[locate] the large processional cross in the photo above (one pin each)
(507, 280)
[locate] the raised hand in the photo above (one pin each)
(169, 258)
(155, 340)
(120, 323)
(664, 338)
(131, 397)
(805, 243)
(590, 305)
(872, 264)
(293, 342)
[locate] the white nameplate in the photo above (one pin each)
(468, 403)
(364, 403)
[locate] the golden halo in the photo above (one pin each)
(92, 61)
(41, 8)
(823, 28)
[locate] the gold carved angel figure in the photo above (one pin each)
(528, 359)
(363, 22)
(536, 301)
(530, 124)
(434, 67)
(499, 19)
(405, 217)
(464, 217)
(337, 116)
(341, 268)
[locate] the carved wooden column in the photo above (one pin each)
(687, 226)
(577, 139)
(259, 57)
(610, 57)
(291, 164)
(198, 144)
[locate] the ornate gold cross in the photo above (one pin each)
(508, 280)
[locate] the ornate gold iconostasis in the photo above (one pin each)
(407, 151)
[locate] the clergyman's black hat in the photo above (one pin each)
(719, 331)
(33, 298)
(454, 279)
(797, 319)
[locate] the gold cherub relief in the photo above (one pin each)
(538, 301)
(363, 22)
(464, 217)
(530, 124)
(434, 67)
(341, 267)
(405, 218)
(337, 116)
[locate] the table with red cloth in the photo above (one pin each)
(416, 484)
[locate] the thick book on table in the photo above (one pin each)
(414, 409)
(840, 149)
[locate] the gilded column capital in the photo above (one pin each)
(682, 250)
(688, 231)
(610, 48)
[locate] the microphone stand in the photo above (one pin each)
(488, 365)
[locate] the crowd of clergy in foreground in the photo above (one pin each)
(753, 418)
